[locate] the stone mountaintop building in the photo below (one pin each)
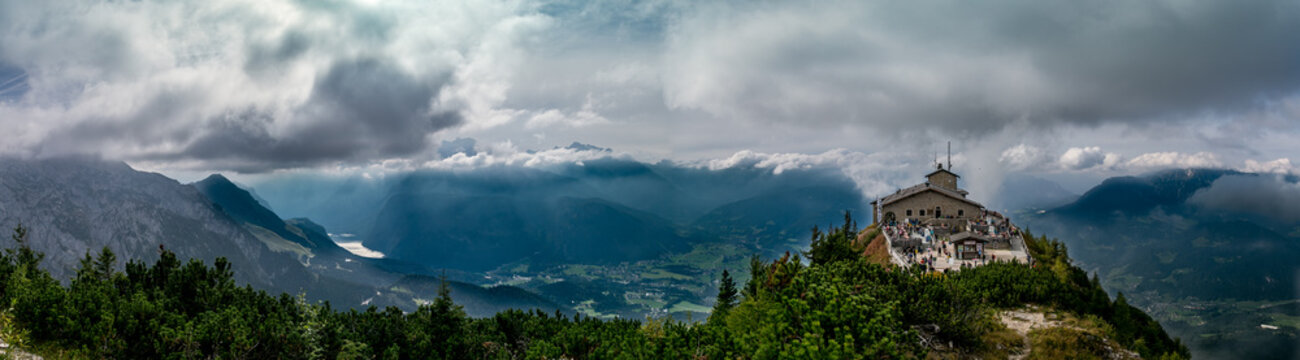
(934, 225)
(938, 198)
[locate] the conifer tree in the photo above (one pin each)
(835, 245)
(757, 272)
(727, 298)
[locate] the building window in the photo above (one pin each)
(909, 212)
(961, 212)
(922, 212)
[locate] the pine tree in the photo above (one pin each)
(757, 274)
(444, 292)
(437, 331)
(104, 264)
(727, 298)
(1122, 319)
(24, 256)
(835, 245)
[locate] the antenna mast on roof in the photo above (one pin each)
(950, 155)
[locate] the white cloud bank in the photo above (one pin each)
(1094, 159)
(1280, 166)
(1087, 158)
(1021, 157)
(1171, 159)
(875, 174)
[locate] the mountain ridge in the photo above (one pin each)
(327, 260)
(78, 205)
(1204, 272)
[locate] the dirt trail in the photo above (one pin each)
(1031, 318)
(1022, 321)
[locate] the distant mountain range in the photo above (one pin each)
(77, 205)
(459, 223)
(72, 206)
(1174, 241)
(1207, 271)
(1020, 192)
(1148, 225)
(598, 212)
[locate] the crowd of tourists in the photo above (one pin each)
(917, 244)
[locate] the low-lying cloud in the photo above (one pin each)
(1277, 166)
(875, 174)
(1087, 158)
(1031, 158)
(1171, 159)
(1271, 196)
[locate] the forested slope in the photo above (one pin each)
(835, 306)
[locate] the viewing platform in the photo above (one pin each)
(954, 244)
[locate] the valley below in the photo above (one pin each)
(583, 240)
(609, 239)
(681, 285)
(1225, 281)
(578, 239)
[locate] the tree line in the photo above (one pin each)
(834, 305)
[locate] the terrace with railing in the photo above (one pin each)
(945, 246)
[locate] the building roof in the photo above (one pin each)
(941, 170)
(967, 235)
(918, 189)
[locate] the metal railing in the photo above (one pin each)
(889, 245)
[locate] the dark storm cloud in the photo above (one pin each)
(1180, 57)
(1265, 195)
(146, 125)
(975, 67)
(208, 85)
(359, 109)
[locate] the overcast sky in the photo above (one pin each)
(1061, 89)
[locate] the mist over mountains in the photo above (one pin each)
(1024, 192)
(1208, 252)
(605, 235)
(605, 212)
(1211, 253)
(77, 205)
(595, 211)
(1173, 227)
